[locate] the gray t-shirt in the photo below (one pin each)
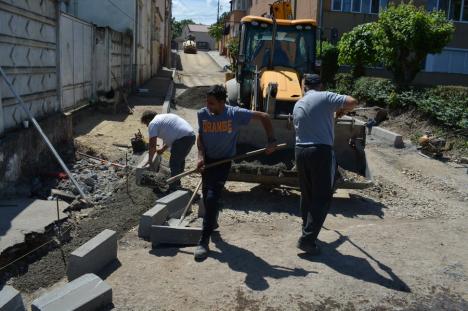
(313, 117)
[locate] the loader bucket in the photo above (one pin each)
(278, 169)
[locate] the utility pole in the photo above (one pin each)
(217, 19)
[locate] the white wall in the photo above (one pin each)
(116, 14)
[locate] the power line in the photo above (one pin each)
(121, 10)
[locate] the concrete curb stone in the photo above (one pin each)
(10, 299)
(94, 255)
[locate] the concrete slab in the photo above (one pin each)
(176, 202)
(393, 138)
(174, 222)
(175, 235)
(16, 216)
(94, 255)
(396, 140)
(10, 299)
(155, 216)
(88, 292)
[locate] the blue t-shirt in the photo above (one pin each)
(219, 132)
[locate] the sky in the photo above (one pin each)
(200, 11)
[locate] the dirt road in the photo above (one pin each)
(398, 245)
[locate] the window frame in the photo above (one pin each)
(447, 12)
(360, 6)
(332, 9)
(341, 6)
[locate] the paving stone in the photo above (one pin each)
(395, 139)
(86, 293)
(174, 222)
(94, 255)
(10, 299)
(175, 202)
(175, 235)
(155, 216)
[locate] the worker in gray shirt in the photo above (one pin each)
(315, 162)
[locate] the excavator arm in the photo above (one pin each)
(281, 9)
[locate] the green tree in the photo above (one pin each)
(405, 35)
(216, 30)
(358, 48)
(178, 26)
(328, 56)
(233, 48)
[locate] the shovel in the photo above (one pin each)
(235, 158)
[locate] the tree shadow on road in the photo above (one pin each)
(255, 268)
(356, 267)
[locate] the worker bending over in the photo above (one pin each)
(217, 137)
(315, 161)
(175, 133)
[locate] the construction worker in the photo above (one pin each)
(176, 133)
(217, 137)
(315, 161)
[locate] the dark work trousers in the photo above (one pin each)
(179, 151)
(316, 168)
(213, 185)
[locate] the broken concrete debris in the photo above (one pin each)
(97, 180)
(88, 292)
(94, 255)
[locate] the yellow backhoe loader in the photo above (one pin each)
(274, 54)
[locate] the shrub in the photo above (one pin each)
(373, 91)
(357, 48)
(344, 83)
(329, 66)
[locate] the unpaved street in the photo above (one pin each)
(398, 245)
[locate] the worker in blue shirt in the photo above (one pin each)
(218, 129)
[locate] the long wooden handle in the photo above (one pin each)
(238, 157)
(189, 203)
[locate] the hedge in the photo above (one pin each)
(446, 105)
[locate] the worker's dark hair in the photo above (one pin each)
(148, 116)
(217, 91)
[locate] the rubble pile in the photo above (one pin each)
(97, 180)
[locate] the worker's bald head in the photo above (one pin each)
(216, 99)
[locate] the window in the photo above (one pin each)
(457, 10)
(336, 5)
(450, 61)
(360, 6)
(357, 6)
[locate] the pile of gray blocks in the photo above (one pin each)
(170, 206)
(86, 293)
(175, 202)
(94, 255)
(155, 216)
(161, 223)
(10, 299)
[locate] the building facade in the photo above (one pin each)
(202, 38)
(335, 17)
